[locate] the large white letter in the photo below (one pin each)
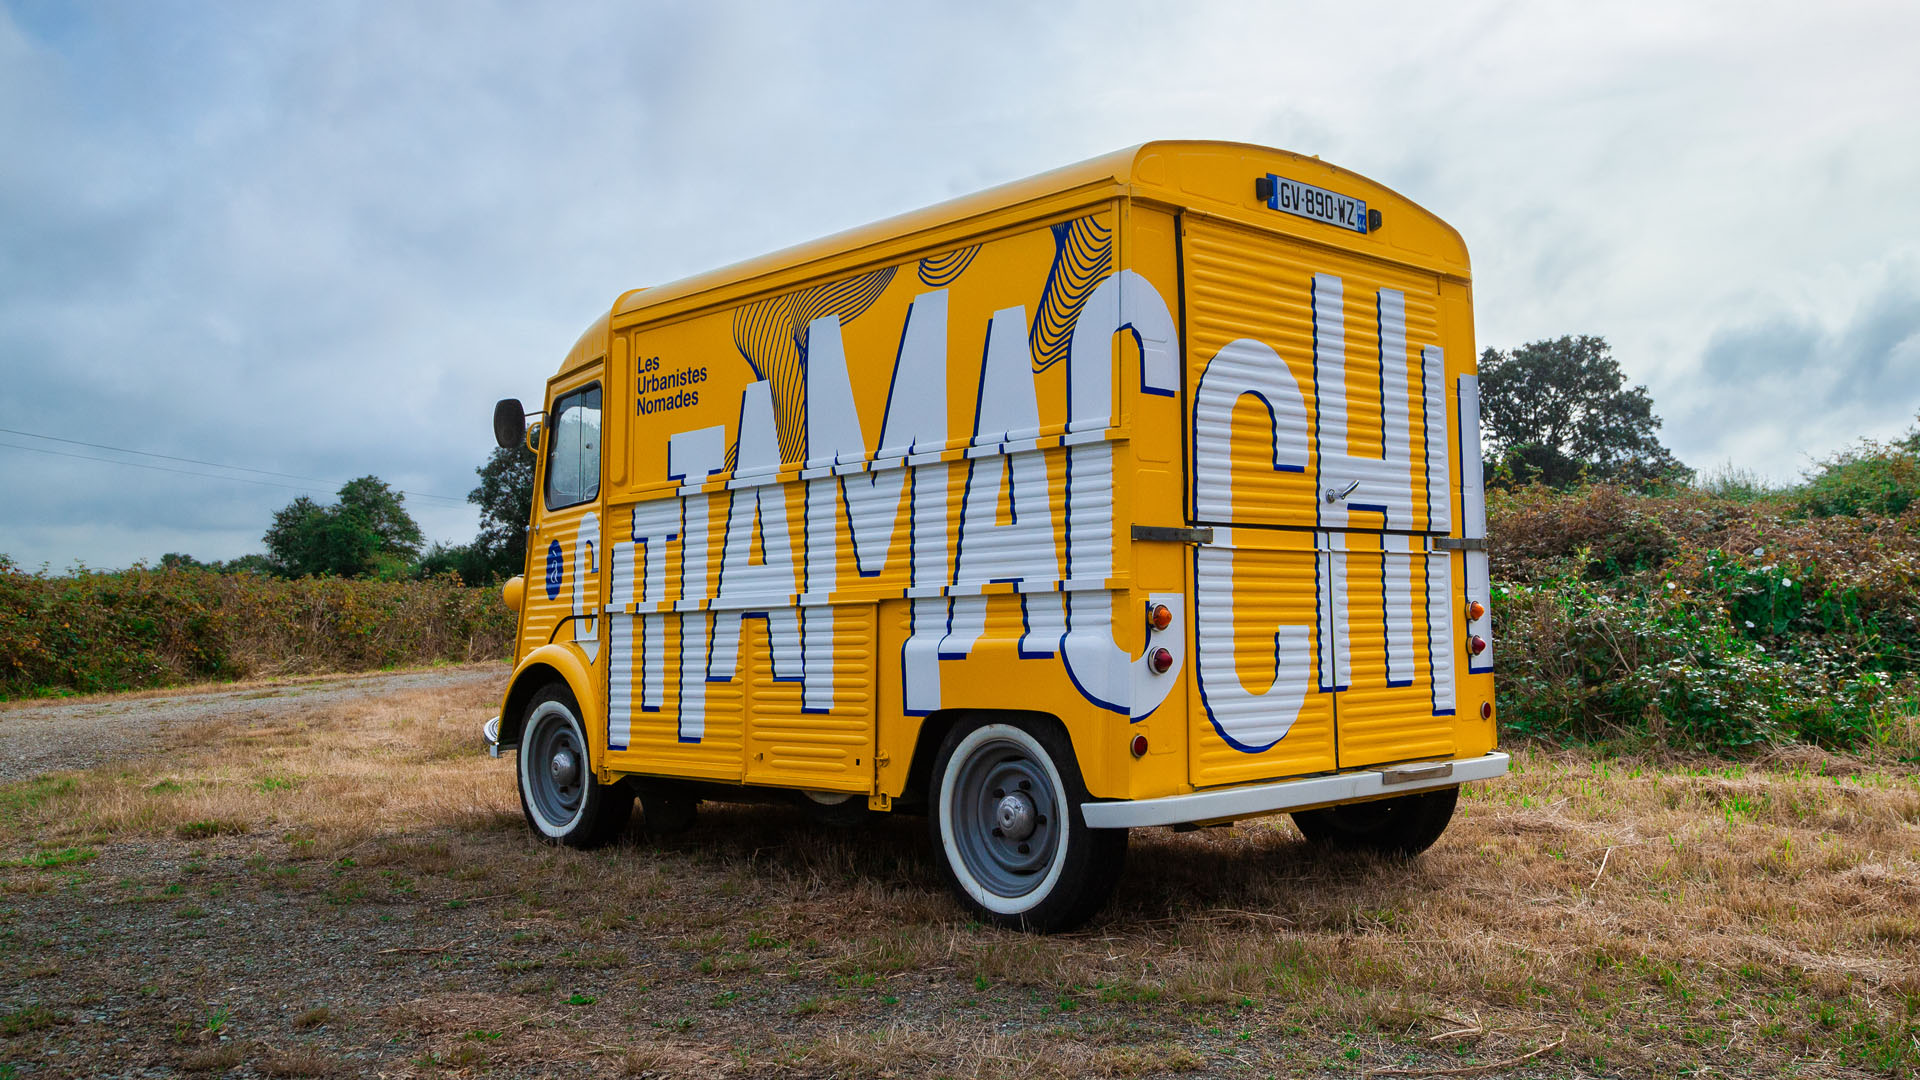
(1123, 301)
(692, 456)
(1249, 722)
(758, 511)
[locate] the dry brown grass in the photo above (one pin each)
(1665, 915)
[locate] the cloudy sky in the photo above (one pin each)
(318, 240)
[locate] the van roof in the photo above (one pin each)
(1212, 177)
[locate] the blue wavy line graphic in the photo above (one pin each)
(772, 336)
(1082, 255)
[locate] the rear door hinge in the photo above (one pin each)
(1174, 534)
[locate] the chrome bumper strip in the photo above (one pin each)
(1238, 802)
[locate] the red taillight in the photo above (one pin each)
(1160, 660)
(1159, 616)
(1476, 645)
(1138, 746)
(1476, 611)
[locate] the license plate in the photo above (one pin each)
(1307, 201)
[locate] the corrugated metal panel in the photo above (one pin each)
(1473, 518)
(1368, 325)
(1388, 713)
(1319, 403)
(787, 744)
(543, 614)
(1259, 710)
(1007, 528)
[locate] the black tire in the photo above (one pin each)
(665, 810)
(1034, 874)
(1400, 827)
(843, 815)
(562, 799)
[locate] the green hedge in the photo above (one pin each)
(1701, 622)
(93, 631)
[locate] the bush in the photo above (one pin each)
(1704, 622)
(1871, 478)
(91, 631)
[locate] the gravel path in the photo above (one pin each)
(52, 736)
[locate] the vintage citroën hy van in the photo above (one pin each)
(1143, 492)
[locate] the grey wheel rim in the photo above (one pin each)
(1006, 817)
(556, 765)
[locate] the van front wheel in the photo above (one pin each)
(1007, 826)
(1401, 827)
(562, 799)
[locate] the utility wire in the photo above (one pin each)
(190, 461)
(158, 468)
(149, 453)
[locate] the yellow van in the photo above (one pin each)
(1143, 492)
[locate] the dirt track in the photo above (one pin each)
(50, 736)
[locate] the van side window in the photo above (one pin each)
(573, 450)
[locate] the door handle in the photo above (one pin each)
(1335, 496)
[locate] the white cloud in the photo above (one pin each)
(322, 240)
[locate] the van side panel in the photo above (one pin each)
(899, 491)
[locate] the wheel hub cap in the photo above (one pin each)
(564, 768)
(1015, 816)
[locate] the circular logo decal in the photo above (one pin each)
(556, 569)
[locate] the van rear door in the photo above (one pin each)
(1318, 453)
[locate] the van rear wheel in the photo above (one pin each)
(1007, 827)
(564, 802)
(1401, 827)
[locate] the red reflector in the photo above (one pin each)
(1486, 710)
(1160, 660)
(1138, 746)
(1159, 616)
(1477, 645)
(1475, 610)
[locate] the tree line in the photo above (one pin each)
(366, 532)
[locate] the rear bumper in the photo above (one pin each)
(1239, 802)
(491, 730)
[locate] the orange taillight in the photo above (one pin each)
(1159, 616)
(1476, 611)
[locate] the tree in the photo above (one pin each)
(463, 559)
(380, 510)
(505, 499)
(367, 533)
(1560, 411)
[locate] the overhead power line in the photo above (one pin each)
(190, 461)
(157, 468)
(149, 453)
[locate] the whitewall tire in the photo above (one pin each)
(562, 799)
(1007, 827)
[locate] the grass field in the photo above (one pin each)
(350, 890)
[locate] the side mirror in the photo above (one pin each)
(509, 423)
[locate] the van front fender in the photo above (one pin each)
(548, 664)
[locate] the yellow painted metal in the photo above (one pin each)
(1386, 714)
(1275, 582)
